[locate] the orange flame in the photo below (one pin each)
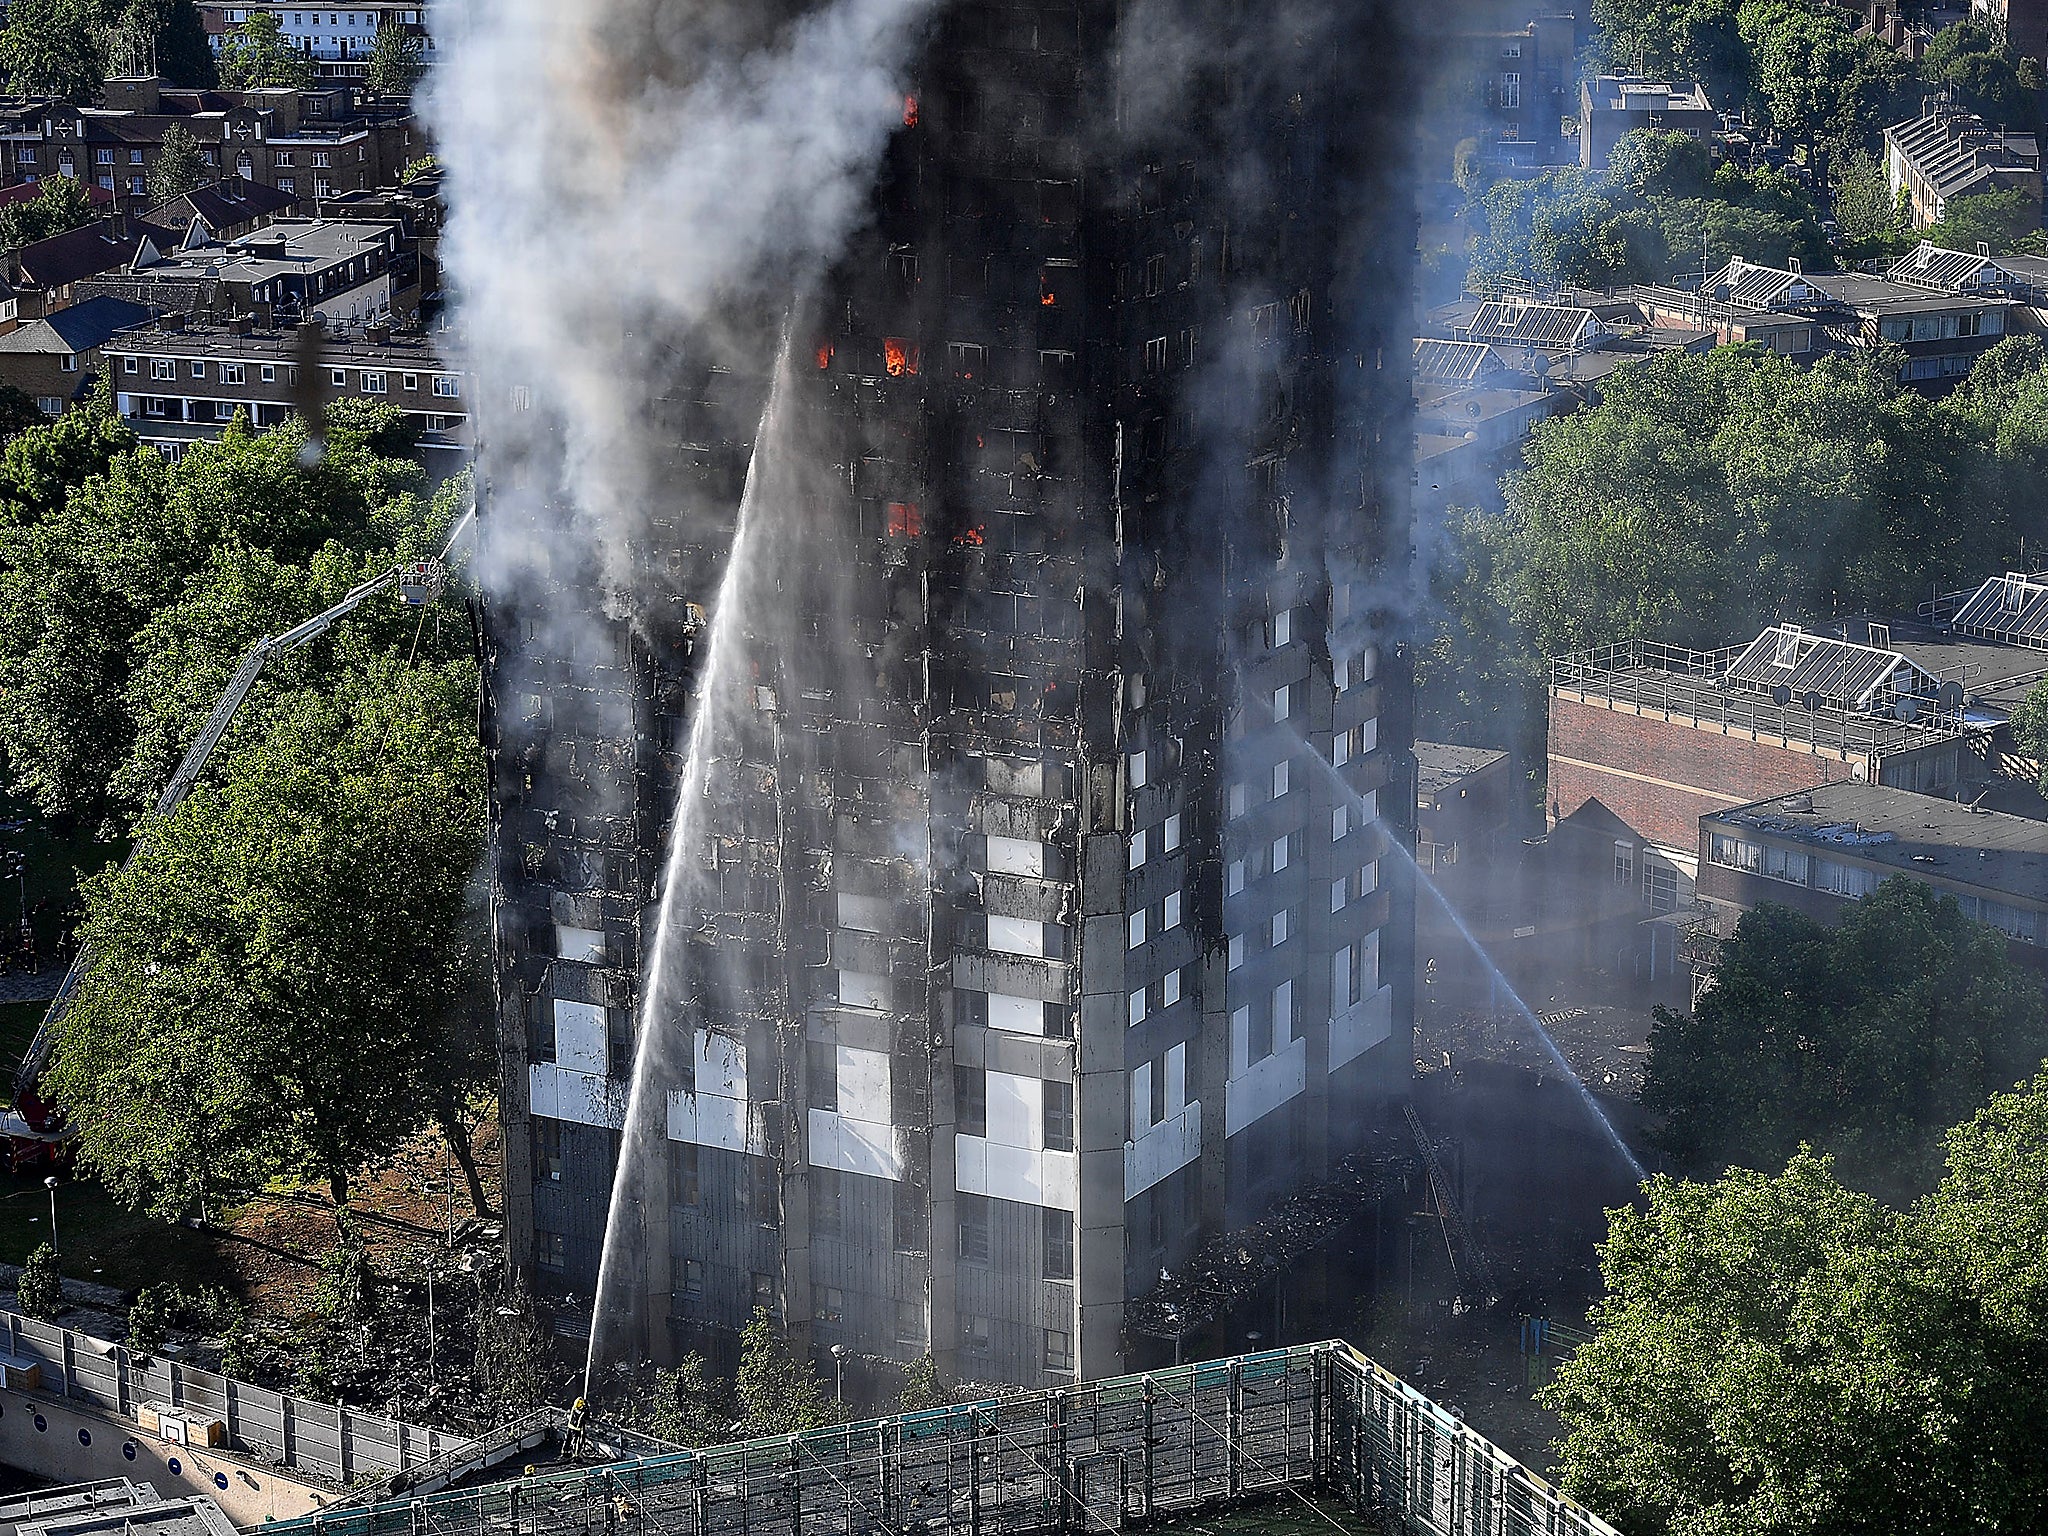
(1049, 299)
(971, 538)
(910, 111)
(902, 357)
(824, 356)
(905, 520)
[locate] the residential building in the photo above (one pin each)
(314, 144)
(46, 275)
(2024, 278)
(1057, 942)
(1614, 106)
(1645, 739)
(1941, 334)
(2024, 23)
(176, 382)
(55, 360)
(343, 272)
(340, 42)
(217, 212)
(1465, 801)
(1819, 849)
(1550, 328)
(1947, 153)
(1512, 68)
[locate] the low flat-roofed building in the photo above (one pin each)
(1465, 802)
(1613, 106)
(177, 383)
(342, 271)
(1817, 849)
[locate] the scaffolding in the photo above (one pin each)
(1315, 1425)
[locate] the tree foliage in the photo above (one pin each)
(178, 168)
(2008, 221)
(40, 1291)
(2030, 729)
(1708, 495)
(1972, 63)
(257, 56)
(274, 970)
(55, 48)
(1867, 1040)
(1866, 210)
(396, 61)
(169, 37)
(1781, 1354)
(777, 1391)
(61, 204)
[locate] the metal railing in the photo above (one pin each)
(321, 1440)
(1316, 1423)
(1686, 685)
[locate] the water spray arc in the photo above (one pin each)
(1499, 978)
(647, 1096)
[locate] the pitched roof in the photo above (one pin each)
(1453, 362)
(1957, 154)
(1818, 669)
(220, 205)
(2012, 608)
(80, 328)
(63, 259)
(1533, 325)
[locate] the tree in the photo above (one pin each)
(273, 970)
(1649, 163)
(2030, 729)
(1973, 65)
(1867, 1040)
(1674, 39)
(1780, 1355)
(2008, 221)
(178, 167)
(921, 1388)
(396, 62)
(1866, 210)
(167, 38)
(55, 48)
(40, 1291)
(18, 413)
(61, 204)
(778, 1393)
(257, 56)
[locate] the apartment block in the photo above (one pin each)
(1056, 925)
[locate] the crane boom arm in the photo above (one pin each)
(187, 775)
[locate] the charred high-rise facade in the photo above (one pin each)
(1032, 938)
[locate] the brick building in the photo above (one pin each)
(312, 144)
(177, 383)
(1646, 739)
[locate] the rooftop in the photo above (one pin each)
(1441, 764)
(400, 349)
(1534, 325)
(1957, 154)
(1634, 93)
(1908, 832)
(1694, 687)
(2011, 609)
(82, 327)
(1453, 362)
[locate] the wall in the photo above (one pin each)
(248, 1492)
(1660, 776)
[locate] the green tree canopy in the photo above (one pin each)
(55, 48)
(1868, 1040)
(1781, 1355)
(1973, 64)
(167, 36)
(1866, 210)
(178, 168)
(778, 1392)
(2008, 221)
(257, 55)
(396, 61)
(273, 970)
(61, 204)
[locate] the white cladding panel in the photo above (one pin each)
(1263, 1088)
(583, 945)
(1016, 856)
(580, 1043)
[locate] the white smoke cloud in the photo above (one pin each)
(621, 170)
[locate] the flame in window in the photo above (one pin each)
(1048, 298)
(910, 113)
(970, 538)
(902, 357)
(824, 356)
(905, 520)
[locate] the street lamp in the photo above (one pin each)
(839, 1373)
(50, 1183)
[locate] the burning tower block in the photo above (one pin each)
(1032, 943)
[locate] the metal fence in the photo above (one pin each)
(1688, 685)
(1314, 1423)
(317, 1439)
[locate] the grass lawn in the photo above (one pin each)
(101, 1240)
